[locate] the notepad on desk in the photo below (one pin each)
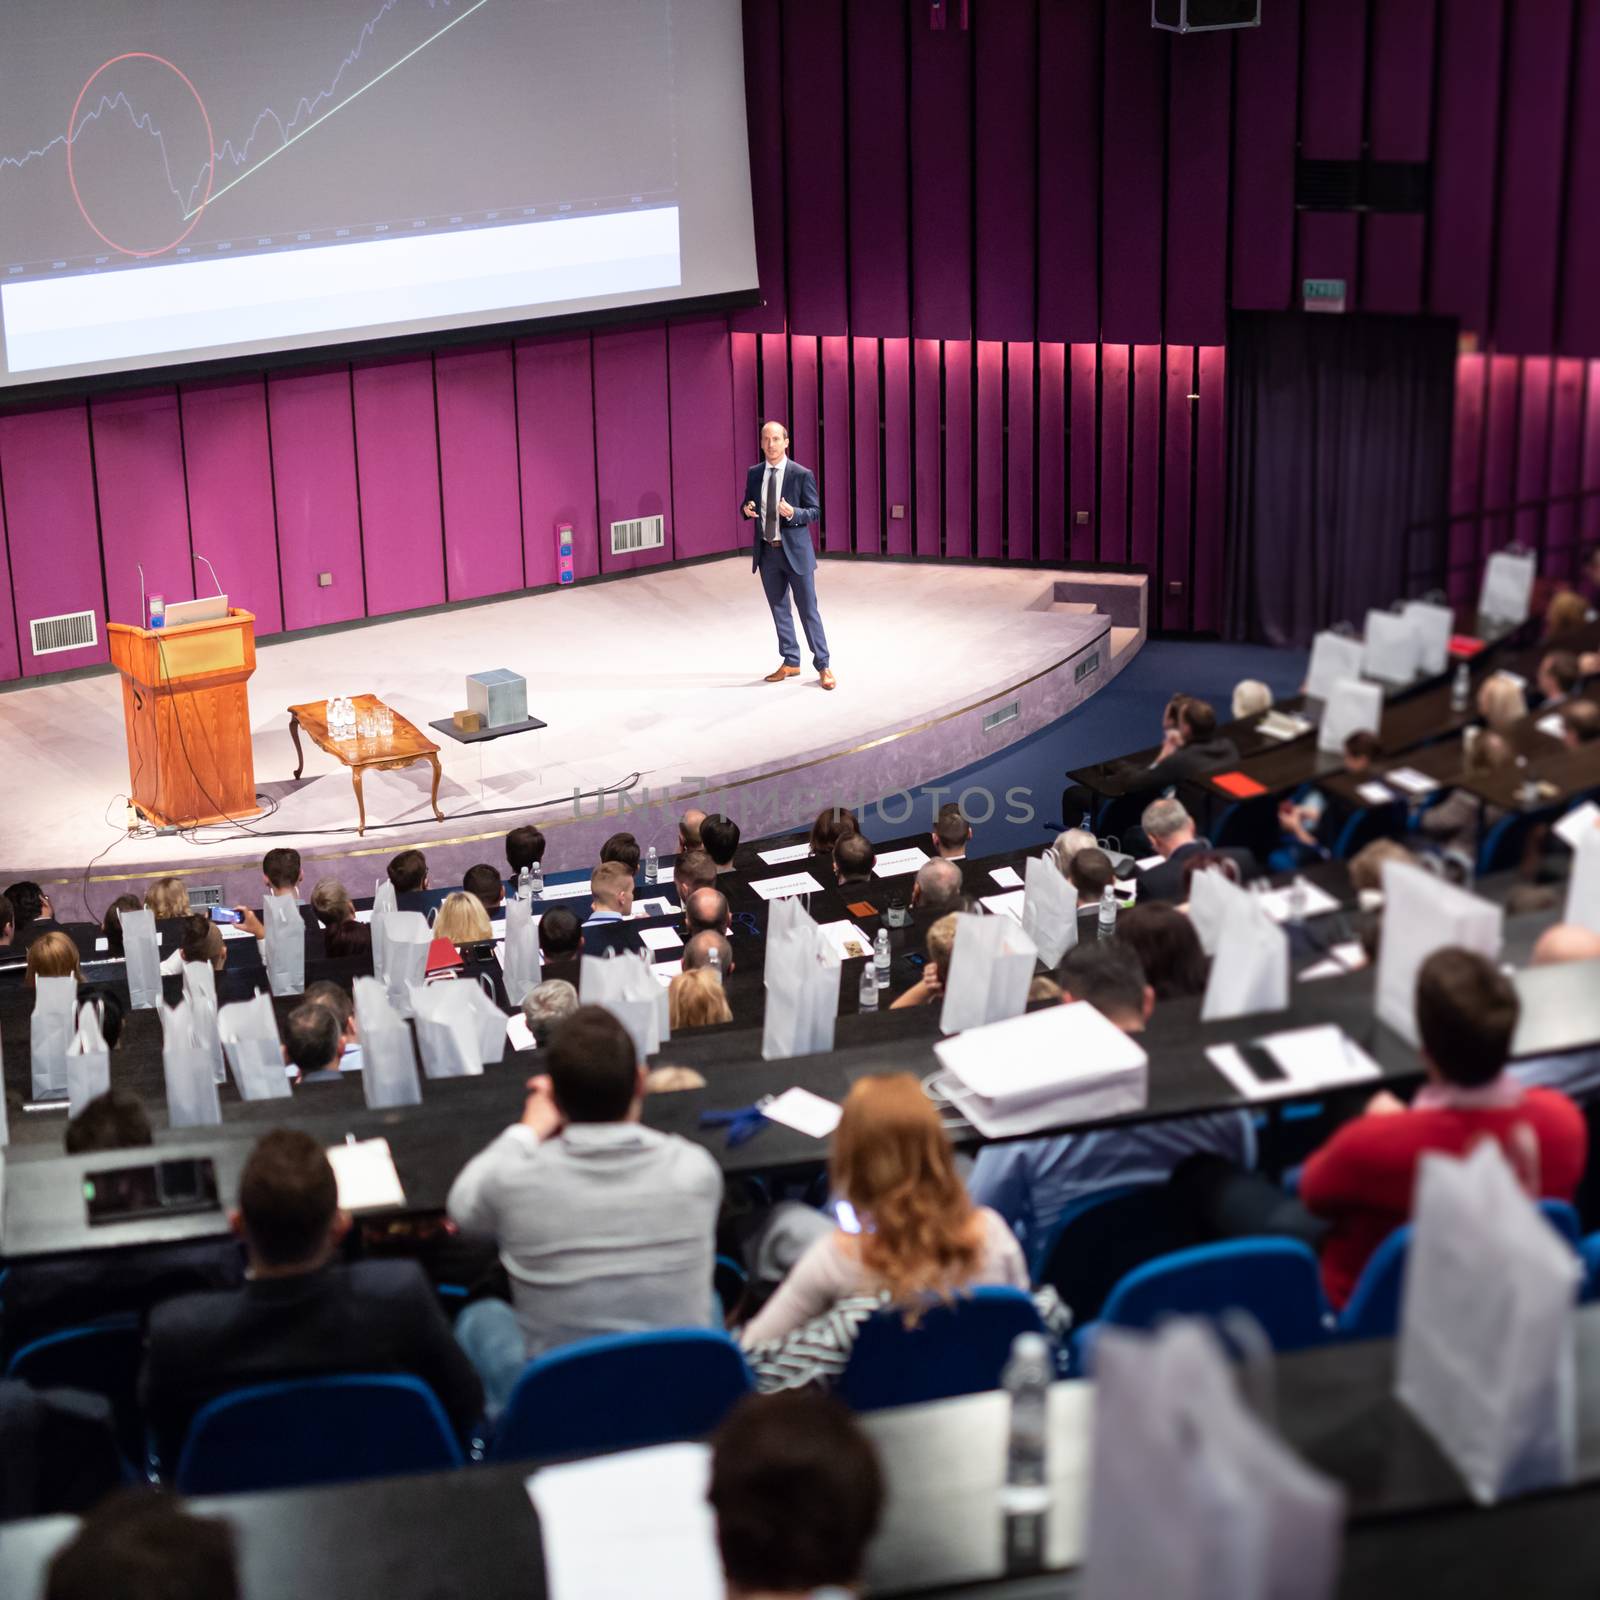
(1297, 1061)
(1007, 877)
(847, 939)
(660, 939)
(804, 1112)
(366, 1175)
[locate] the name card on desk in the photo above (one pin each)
(786, 853)
(1412, 781)
(1007, 877)
(786, 887)
(565, 891)
(897, 863)
(1376, 794)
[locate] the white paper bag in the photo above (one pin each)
(406, 940)
(189, 1068)
(383, 902)
(88, 1061)
(802, 983)
(1049, 911)
(141, 951)
(388, 1056)
(1250, 971)
(1351, 707)
(250, 1041)
(627, 988)
(1488, 1336)
(1211, 895)
(1583, 885)
(520, 960)
(991, 966)
(446, 1021)
(200, 992)
(50, 1034)
(1334, 658)
(1192, 1497)
(1435, 626)
(285, 944)
(1422, 913)
(1392, 649)
(1507, 587)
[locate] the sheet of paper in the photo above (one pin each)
(847, 939)
(1148, 863)
(805, 1112)
(786, 887)
(656, 905)
(1375, 793)
(785, 853)
(1008, 904)
(1341, 958)
(364, 916)
(1317, 903)
(1552, 726)
(660, 939)
(896, 863)
(518, 1034)
(366, 1175)
(1576, 823)
(1127, 889)
(618, 1527)
(666, 971)
(1315, 1058)
(1007, 877)
(1412, 781)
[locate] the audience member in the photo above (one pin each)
(604, 1225)
(1110, 977)
(719, 835)
(623, 849)
(1361, 749)
(484, 882)
(937, 888)
(199, 940)
(524, 848)
(167, 898)
(408, 873)
(1565, 615)
(797, 1493)
(311, 1041)
(545, 1005)
(1367, 864)
(142, 1545)
(696, 999)
(921, 1235)
(301, 1312)
(1067, 844)
(1557, 677)
(115, 1120)
(939, 941)
(1301, 815)
(342, 934)
(853, 859)
(111, 923)
(1250, 697)
(706, 910)
(52, 955)
(337, 999)
(1042, 989)
(1168, 949)
(1501, 702)
(693, 869)
(831, 826)
(8, 923)
(462, 920)
(611, 886)
(698, 951)
(109, 1009)
(281, 871)
(1192, 748)
(1174, 837)
(33, 915)
(952, 833)
(560, 942)
(1580, 723)
(1456, 821)
(689, 830)
(1090, 872)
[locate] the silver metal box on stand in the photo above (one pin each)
(499, 696)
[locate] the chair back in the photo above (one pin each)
(316, 1430)
(101, 1357)
(956, 1348)
(621, 1391)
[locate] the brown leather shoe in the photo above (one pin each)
(784, 671)
(825, 677)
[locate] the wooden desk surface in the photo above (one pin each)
(407, 742)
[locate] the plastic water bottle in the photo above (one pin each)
(524, 884)
(1461, 689)
(1108, 912)
(1026, 1381)
(1087, 824)
(652, 865)
(536, 881)
(1299, 899)
(880, 958)
(714, 962)
(869, 987)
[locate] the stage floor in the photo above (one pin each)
(658, 673)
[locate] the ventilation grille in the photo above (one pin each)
(205, 894)
(1003, 715)
(643, 533)
(1364, 185)
(70, 631)
(1090, 663)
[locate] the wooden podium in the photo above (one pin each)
(188, 718)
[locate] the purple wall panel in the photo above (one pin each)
(555, 437)
(1267, 68)
(774, 381)
(144, 518)
(1132, 165)
(803, 382)
(1112, 542)
(632, 460)
(51, 531)
(1175, 498)
(989, 442)
(1499, 460)
(897, 444)
(1464, 156)
(1083, 537)
(1069, 171)
(319, 519)
(1007, 141)
(1580, 307)
(746, 406)
(763, 64)
(813, 191)
(1533, 447)
(1019, 452)
(868, 506)
(707, 470)
(836, 497)
(1400, 101)
(232, 518)
(941, 182)
(1335, 44)
(958, 447)
(1210, 487)
(478, 472)
(1392, 250)
(1053, 511)
(1527, 241)
(1197, 189)
(1566, 443)
(10, 661)
(1145, 446)
(1589, 511)
(929, 451)
(397, 473)
(880, 299)
(1466, 470)
(1329, 246)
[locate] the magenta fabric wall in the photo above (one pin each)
(998, 262)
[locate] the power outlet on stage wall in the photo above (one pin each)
(1175, 587)
(324, 580)
(897, 512)
(1082, 519)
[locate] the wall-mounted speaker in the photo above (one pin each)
(1204, 16)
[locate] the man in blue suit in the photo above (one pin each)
(780, 498)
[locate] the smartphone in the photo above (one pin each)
(157, 1189)
(225, 914)
(1260, 1065)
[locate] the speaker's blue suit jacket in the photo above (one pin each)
(799, 488)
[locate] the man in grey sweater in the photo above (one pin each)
(603, 1225)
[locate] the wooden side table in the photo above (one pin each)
(403, 747)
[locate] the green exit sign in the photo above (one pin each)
(1322, 294)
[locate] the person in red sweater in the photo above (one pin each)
(1361, 1182)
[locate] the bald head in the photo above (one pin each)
(1566, 941)
(707, 908)
(689, 828)
(697, 953)
(938, 886)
